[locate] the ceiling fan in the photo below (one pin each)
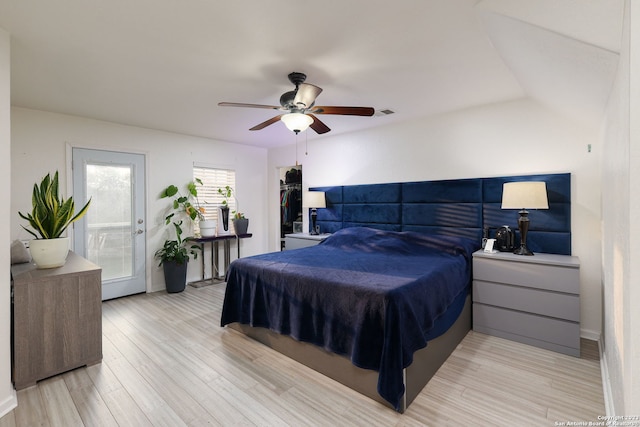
(300, 109)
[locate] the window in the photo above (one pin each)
(208, 196)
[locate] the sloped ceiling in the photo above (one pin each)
(557, 59)
(165, 65)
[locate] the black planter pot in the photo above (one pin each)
(224, 211)
(175, 276)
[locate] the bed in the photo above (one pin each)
(382, 303)
(373, 296)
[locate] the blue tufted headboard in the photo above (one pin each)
(460, 207)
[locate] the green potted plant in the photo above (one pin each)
(174, 254)
(240, 223)
(49, 218)
(174, 257)
(190, 206)
(226, 193)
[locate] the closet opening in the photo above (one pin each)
(290, 202)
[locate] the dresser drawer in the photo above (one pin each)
(541, 276)
(518, 324)
(554, 304)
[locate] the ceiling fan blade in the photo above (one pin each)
(306, 95)
(345, 111)
(318, 126)
(266, 123)
(238, 104)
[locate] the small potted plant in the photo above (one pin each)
(226, 193)
(49, 218)
(240, 223)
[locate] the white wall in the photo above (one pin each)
(512, 138)
(621, 249)
(632, 368)
(7, 394)
(40, 142)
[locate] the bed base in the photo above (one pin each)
(426, 361)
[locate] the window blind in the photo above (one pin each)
(208, 196)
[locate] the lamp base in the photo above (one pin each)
(523, 226)
(314, 216)
(523, 250)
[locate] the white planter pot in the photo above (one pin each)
(207, 228)
(49, 253)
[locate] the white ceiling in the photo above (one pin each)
(165, 64)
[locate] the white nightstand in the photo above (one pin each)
(302, 240)
(530, 299)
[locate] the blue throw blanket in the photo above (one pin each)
(367, 294)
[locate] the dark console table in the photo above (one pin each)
(226, 240)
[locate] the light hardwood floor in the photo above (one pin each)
(168, 363)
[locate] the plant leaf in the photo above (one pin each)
(170, 191)
(192, 189)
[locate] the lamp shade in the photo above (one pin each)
(525, 195)
(297, 122)
(306, 95)
(314, 199)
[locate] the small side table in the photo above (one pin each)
(302, 240)
(216, 277)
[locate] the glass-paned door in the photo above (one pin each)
(111, 234)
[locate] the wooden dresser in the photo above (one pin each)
(57, 319)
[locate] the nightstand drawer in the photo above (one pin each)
(541, 276)
(527, 328)
(302, 240)
(554, 304)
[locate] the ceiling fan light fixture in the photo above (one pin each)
(297, 122)
(298, 109)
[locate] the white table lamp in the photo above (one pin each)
(314, 200)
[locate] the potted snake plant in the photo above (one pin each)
(49, 218)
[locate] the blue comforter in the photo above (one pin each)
(368, 294)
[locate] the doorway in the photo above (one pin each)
(290, 201)
(112, 233)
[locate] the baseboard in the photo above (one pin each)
(10, 403)
(590, 335)
(606, 383)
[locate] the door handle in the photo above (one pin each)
(139, 232)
